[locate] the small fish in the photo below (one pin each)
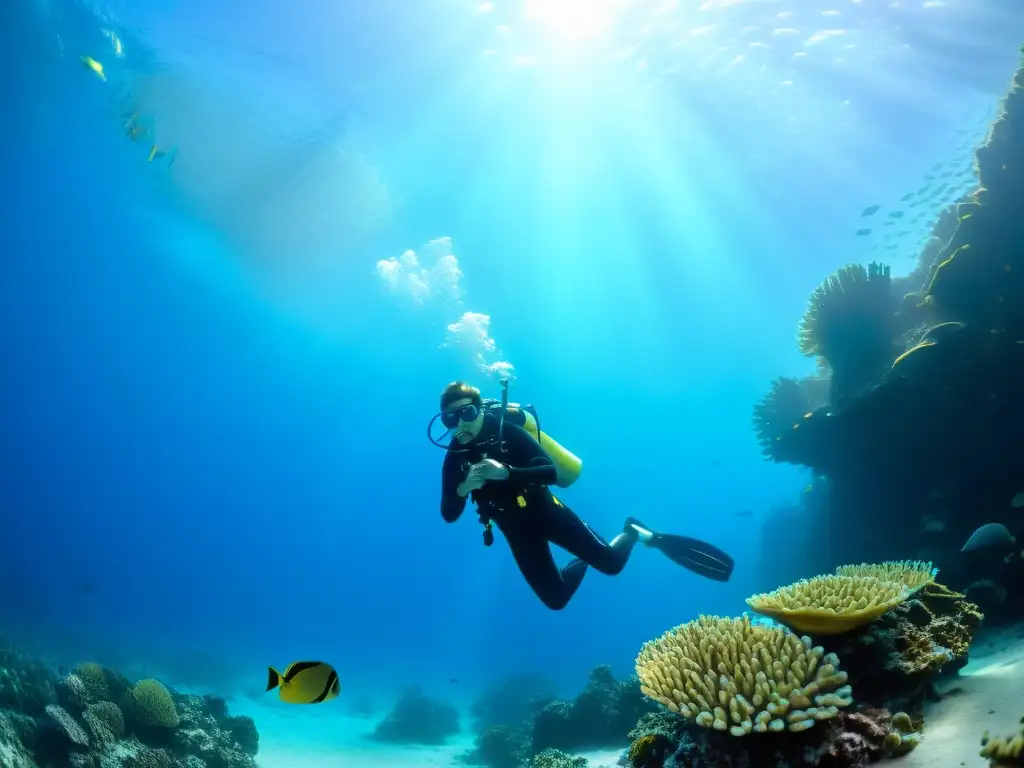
(155, 153)
(862, 232)
(305, 682)
(988, 537)
(871, 210)
(91, 64)
(1018, 500)
(906, 197)
(896, 214)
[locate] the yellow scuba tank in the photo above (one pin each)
(568, 465)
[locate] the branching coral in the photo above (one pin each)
(851, 322)
(785, 405)
(730, 674)
(1004, 752)
(903, 737)
(830, 605)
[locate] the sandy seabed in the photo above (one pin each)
(988, 694)
(323, 738)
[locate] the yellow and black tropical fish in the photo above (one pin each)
(156, 153)
(305, 682)
(91, 64)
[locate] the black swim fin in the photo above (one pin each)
(695, 555)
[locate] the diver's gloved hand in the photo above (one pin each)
(480, 473)
(489, 469)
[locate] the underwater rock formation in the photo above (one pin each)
(417, 719)
(930, 438)
(499, 746)
(601, 715)
(785, 405)
(94, 718)
(851, 322)
(511, 701)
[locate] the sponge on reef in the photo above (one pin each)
(831, 605)
(913, 574)
(730, 674)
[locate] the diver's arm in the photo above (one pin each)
(527, 463)
(453, 502)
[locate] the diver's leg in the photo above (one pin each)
(532, 554)
(567, 530)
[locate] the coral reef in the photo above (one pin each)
(893, 661)
(853, 738)
(499, 746)
(745, 693)
(913, 574)
(1004, 752)
(832, 604)
(601, 715)
(553, 758)
(785, 405)
(417, 719)
(94, 718)
(903, 737)
(730, 674)
(851, 322)
(511, 700)
(918, 445)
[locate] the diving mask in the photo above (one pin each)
(467, 414)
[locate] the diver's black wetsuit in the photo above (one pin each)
(528, 514)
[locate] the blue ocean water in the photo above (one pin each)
(215, 394)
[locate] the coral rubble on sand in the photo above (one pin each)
(94, 717)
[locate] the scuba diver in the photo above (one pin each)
(499, 458)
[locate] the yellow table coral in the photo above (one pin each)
(913, 574)
(830, 605)
(729, 674)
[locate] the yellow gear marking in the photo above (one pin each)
(521, 502)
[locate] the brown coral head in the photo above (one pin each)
(649, 751)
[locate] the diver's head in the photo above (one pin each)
(462, 411)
